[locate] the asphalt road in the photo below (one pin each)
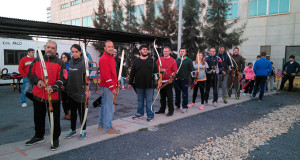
(16, 123)
(171, 138)
(286, 146)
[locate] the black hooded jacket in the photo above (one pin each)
(76, 81)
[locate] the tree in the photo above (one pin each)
(191, 27)
(102, 20)
(166, 23)
(117, 16)
(217, 31)
(148, 24)
(131, 23)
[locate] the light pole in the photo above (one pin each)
(179, 27)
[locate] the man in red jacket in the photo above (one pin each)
(108, 77)
(169, 68)
(23, 69)
(57, 76)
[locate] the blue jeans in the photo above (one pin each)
(145, 95)
(260, 81)
(26, 86)
(181, 85)
(122, 81)
(107, 110)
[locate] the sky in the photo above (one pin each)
(25, 9)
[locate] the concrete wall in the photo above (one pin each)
(278, 31)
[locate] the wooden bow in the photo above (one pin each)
(87, 78)
(119, 75)
(198, 69)
(159, 75)
(46, 78)
(234, 69)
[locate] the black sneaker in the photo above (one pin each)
(136, 117)
(34, 140)
(159, 112)
(149, 119)
(169, 114)
(55, 145)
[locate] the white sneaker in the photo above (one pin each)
(215, 104)
(24, 105)
(184, 110)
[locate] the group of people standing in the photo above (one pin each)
(67, 81)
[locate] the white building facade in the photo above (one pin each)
(12, 50)
(272, 25)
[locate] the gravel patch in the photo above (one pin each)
(238, 144)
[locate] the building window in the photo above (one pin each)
(257, 8)
(75, 22)
(49, 14)
(157, 5)
(209, 2)
(87, 21)
(112, 14)
(232, 10)
(84, 1)
(13, 57)
(65, 22)
(75, 2)
(139, 11)
(268, 7)
(177, 4)
(266, 49)
(66, 5)
(279, 6)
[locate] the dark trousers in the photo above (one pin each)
(249, 86)
(291, 81)
(65, 102)
(260, 81)
(40, 109)
(212, 80)
(166, 93)
(181, 87)
(201, 86)
(75, 106)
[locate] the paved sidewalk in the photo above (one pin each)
(18, 150)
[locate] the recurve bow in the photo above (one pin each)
(87, 81)
(119, 75)
(46, 78)
(198, 69)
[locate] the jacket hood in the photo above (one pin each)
(78, 59)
